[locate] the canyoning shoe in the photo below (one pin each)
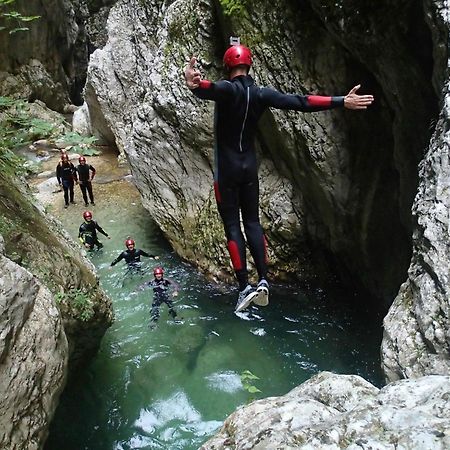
(93, 203)
(245, 298)
(86, 204)
(66, 205)
(263, 293)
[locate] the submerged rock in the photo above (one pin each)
(332, 412)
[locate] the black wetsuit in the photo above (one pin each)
(239, 105)
(88, 233)
(132, 257)
(160, 295)
(85, 181)
(66, 174)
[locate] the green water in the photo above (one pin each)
(171, 387)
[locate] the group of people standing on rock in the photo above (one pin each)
(68, 175)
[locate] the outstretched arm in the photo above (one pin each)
(205, 89)
(355, 101)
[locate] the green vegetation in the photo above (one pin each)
(247, 379)
(18, 129)
(232, 7)
(80, 144)
(13, 20)
(78, 301)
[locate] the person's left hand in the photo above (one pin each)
(192, 74)
(156, 257)
(355, 101)
(175, 294)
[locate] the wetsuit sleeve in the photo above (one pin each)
(218, 91)
(58, 173)
(307, 103)
(143, 253)
(100, 229)
(80, 232)
(92, 169)
(74, 172)
(119, 258)
(173, 284)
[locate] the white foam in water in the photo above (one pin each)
(162, 412)
(224, 381)
(157, 418)
(258, 331)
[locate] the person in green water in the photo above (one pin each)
(161, 287)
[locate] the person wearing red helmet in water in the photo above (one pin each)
(161, 287)
(239, 103)
(66, 175)
(132, 255)
(86, 174)
(87, 232)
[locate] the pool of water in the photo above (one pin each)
(171, 387)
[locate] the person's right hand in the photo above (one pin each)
(192, 74)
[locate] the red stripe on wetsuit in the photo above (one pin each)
(205, 84)
(318, 100)
(235, 255)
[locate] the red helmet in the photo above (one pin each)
(87, 215)
(237, 55)
(64, 157)
(129, 242)
(158, 271)
(82, 159)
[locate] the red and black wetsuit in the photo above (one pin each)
(239, 105)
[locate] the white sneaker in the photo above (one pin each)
(263, 293)
(245, 298)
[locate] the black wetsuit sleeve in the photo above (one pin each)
(100, 229)
(80, 231)
(173, 284)
(307, 103)
(58, 173)
(119, 258)
(144, 253)
(218, 91)
(74, 172)
(92, 169)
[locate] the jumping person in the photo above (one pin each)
(86, 174)
(132, 256)
(66, 175)
(88, 232)
(239, 103)
(160, 287)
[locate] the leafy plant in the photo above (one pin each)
(230, 7)
(247, 379)
(80, 144)
(79, 301)
(13, 19)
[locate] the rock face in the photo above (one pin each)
(344, 411)
(336, 187)
(417, 328)
(49, 61)
(33, 357)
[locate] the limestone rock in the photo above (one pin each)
(416, 339)
(33, 358)
(343, 411)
